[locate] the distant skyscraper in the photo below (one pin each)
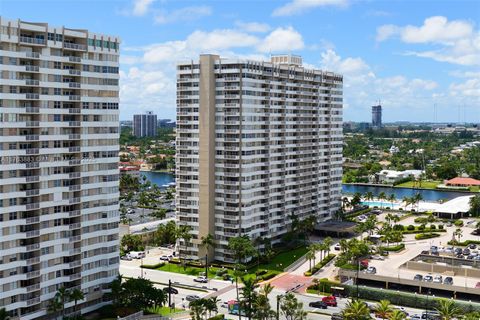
(377, 116)
(58, 166)
(145, 125)
(257, 143)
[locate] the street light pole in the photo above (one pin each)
(141, 268)
(279, 297)
(206, 266)
(169, 293)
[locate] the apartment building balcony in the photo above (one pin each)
(32, 96)
(33, 287)
(30, 68)
(32, 82)
(74, 213)
(32, 40)
(32, 55)
(74, 46)
(74, 59)
(32, 274)
(74, 72)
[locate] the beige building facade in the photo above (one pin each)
(257, 143)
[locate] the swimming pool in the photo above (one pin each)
(380, 204)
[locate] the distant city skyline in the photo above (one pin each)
(423, 64)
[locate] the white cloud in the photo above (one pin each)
(282, 39)
(468, 89)
(183, 14)
(253, 26)
(456, 41)
(220, 39)
(140, 7)
(300, 6)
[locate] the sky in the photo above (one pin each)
(414, 57)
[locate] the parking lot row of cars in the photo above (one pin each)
(434, 279)
(462, 253)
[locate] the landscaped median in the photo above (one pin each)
(319, 265)
(262, 272)
(396, 248)
(423, 236)
(464, 243)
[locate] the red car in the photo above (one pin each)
(477, 285)
(364, 263)
(330, 301)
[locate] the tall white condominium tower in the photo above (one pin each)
(58, 170)
(257, 142)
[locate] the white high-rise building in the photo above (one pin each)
(59, 166)
(257, 143)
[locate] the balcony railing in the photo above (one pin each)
(33, 247)
(33, 287)
(31, 40)
(74, 72)
(74, 46)
(33, 165)
(32, 219)
(32, 123)
(32, 206)
(32, 82)
(74, 59)
(31, 137)
(32, 109)
(74, 97)
(34, 192)
(31, 68)
(74, 84)
(34, 55)
(33, 96)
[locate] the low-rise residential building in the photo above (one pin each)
(392, 176)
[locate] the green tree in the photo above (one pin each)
(184, 233)
(116, 290)
(383, 309)
(63, 295)
(475, 206)
(397, 315)
(132, 242)
(4, 314)
(447, 309)
(76, 295)
(356, 310)
(249, 296)
(207, 242)
(242, 248)
(291, 308)
(198, 309)
(55, 306)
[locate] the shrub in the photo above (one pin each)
(396, 248)
(217, 317)
(458, 223)
(268, 276)
(153, 266)
(399, 227)
(422, 236)
(307, 274)
(411, 227)
(261, 272)
(421, 227)
(433, 227)
(440, 226)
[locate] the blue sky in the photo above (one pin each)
(408, 54)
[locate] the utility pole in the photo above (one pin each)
(206, 266)
(279, 297)
(169, 293)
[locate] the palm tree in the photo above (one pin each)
(383, 309)
(183, 232)
(116, 290)
(313, 251)
(309, 256)
(417, 198)
(382, 196)
(356, 310)
(392, 199)
(208, 242)
(328, 243)
(458, 234)
(211, 305)
(369, 196)
(266, 289)
(4, 314)
(76, 295)
(407, 201)
(397, 315)
(63, 296)
(55, 306)
(447, 309)
(249, 295)
(472, 316)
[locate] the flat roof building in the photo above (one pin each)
(145, 125)
(257, 143)
(59, 195)
(377, 116)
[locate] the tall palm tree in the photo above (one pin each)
(208, 242)
(76, 295)
(392, 199)
(407, 201)
(309, 256)
(458, 234)
(211, 305)
(249, 295)
(63, 296)
(447, 309)
(397, 315)
(382, 196)
(383, 309)
(328, 244)
(266, 289)
(356, 310)
(369, 196)
(313, 250)
(417, 198)
(54, 306)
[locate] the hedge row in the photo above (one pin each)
(404, 299)
(324, 285)
(217, 317)
(422, 236)
(319, 265)
(464, 243)
(152, 266)
(357, 213)
(396, 248)
(423, 231)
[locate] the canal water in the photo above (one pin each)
(164, 178)
(400, 193)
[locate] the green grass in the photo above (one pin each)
(275, 266)
(163, 311)
(423, 185)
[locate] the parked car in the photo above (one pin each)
(164, 258)
(318, 304)
(438, 279)
(448, 280)
(137, 254)
(378, 257)
(472, 246)
(364, 263)
(192, 297)
(418, 277)
(330, 301)
(201, 279)
(337, 247)
(433, 249)
(457, 250)
(371, 270)
(449, 250)
(431, 315)
(416, 317)
(466, 252)
(126, 257)
(170, 290)
(428, 278)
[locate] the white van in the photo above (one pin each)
(137, 254)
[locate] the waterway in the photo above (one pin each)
(164, 178)
(400, 193)
(159, 178)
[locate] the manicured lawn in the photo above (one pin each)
(164, 311)
(423, 185)
(276, 266)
